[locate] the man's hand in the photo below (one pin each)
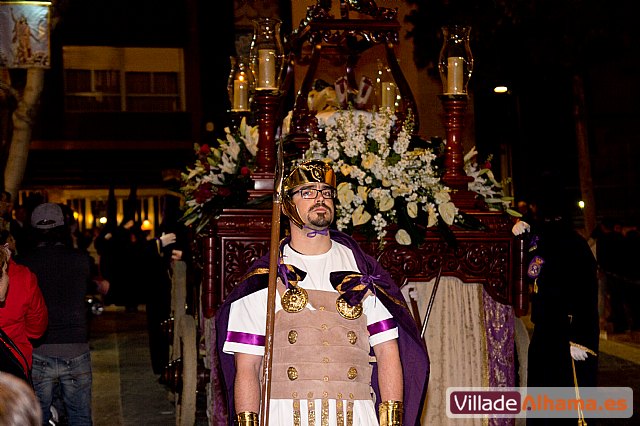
(166, 239)
(520, 228)
(4, 281)
(578, 354)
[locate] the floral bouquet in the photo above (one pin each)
(381, 180)
(220, 176)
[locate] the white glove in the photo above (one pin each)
(166, 239)
(520, 228)
(577, 353)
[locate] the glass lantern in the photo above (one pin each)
(240, 84)
(455, 62)
(388, 93)
(266, 54)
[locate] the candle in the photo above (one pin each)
(266, 69)
(240, 95)
(455, 69)
(388, 95)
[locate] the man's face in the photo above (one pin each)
(318, 212)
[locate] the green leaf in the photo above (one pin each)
(470, 222)
(492, 200)
(513, 213)
(447, 234)
(393, 159)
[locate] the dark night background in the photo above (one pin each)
(537, 46)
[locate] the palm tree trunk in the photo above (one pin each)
(23, 118)
(584, 161)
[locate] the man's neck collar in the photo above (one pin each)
(303, 244)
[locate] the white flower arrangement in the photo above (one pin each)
(220, 176)
(485, 184)
(381, 181)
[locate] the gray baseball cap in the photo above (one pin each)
(47, 216)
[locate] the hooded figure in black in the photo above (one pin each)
(564, 301)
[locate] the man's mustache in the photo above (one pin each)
(315, 206)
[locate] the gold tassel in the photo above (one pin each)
(581, 420)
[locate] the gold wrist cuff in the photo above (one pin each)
(247, 418)
(390, 413)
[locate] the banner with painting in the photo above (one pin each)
(25, 34)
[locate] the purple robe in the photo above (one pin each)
(413, 351)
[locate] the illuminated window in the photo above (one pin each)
(112, 79)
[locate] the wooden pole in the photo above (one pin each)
(274, 252)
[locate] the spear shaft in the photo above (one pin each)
(274, 252)
(430, 305)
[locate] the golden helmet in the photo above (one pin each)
(310, 171)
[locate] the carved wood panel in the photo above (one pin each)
(237, 255)
(485, 262)
(488, 257)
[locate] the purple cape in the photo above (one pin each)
(413, 351)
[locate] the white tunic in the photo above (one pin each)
(248, 315)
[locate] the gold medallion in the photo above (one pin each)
(294, 299)
(352, 373)
(292, 373)
(347, 311)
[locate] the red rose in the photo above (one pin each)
(204, 149)
(487, 164)
(223, 191)
(203, 193)
(245, 171)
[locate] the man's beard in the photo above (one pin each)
(320, 220)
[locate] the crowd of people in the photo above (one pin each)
(48, 269)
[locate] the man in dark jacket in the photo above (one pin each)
(62, 356)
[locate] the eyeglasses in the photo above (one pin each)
(312, 194)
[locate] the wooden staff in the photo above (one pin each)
(274, 252)
(431, 300)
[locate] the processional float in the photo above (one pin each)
(482, 286)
